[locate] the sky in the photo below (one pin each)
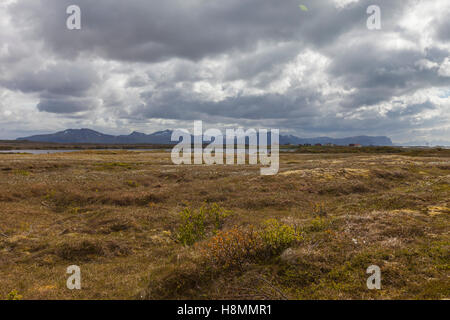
(145, 65)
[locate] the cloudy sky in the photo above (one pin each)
(147, 65)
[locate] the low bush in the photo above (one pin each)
(237, 247)
(195, 224)
(234, 248)
(318, 224)
(14, 295)
(192, 226)
(278, 236)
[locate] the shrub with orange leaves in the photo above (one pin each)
(239, 246)
(234, 247)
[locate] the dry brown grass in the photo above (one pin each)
(116, 214)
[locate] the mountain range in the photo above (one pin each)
(164, 137)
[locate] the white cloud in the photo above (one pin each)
(343, 3)
(425, 64)
(444, 69)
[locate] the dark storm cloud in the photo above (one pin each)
(65, 105)
(175, 105)
(58, 78)
(443, 25)
(267, 61)
(380, 73)
(62, 87)
(137, 30)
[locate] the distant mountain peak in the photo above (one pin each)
(86, 135)
(164, 132)
(137, 134)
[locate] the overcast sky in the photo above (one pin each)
(147, 65)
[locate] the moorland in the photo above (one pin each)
(140, 227)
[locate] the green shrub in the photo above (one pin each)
(13, 295)
(195, 224)
(278, 236)
(318, 224)
(218, 215)
(192, 226)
